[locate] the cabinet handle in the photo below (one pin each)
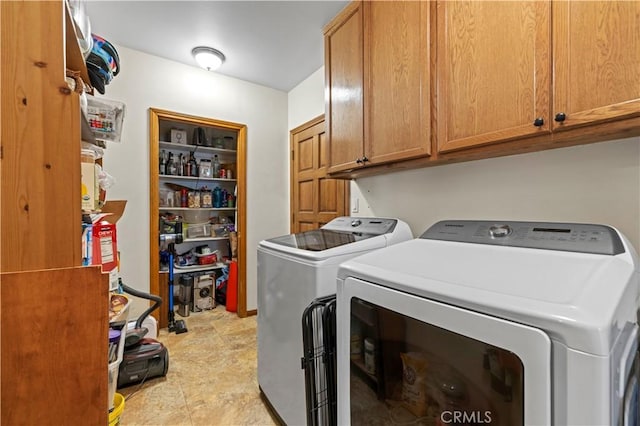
(560, 117)
(365, 159)
(358, 161)
(538, 122)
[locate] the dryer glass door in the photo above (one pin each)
(403, 359)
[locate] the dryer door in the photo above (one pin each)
(406, 359)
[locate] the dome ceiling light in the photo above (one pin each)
(208, 57)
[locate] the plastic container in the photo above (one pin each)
(118, 408)
(167, 198)
(105, 118)
(118, 315)
(205, 168)
(207, 259)
(198, 230)
(206, 198)
(196, 216)
(194, 200)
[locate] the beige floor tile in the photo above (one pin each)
(212, 378)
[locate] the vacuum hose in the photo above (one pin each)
(134, 292)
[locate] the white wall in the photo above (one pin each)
(597, 183)
(149, 81)
(306, 100)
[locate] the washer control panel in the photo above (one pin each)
(577, 237)
(364, 225)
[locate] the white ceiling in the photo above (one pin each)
(272, 43)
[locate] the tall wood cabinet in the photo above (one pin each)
(377, 60)
(205, 222)
(54, 313)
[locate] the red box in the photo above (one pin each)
(104, 246)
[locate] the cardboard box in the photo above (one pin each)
(104, 245)
(100, 240)
(89, 179)
(178, 136)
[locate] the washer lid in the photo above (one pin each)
(320, 239)
(338, 232)
(581, 299)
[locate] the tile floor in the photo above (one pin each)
(212, 378)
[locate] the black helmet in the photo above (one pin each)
(103, 63)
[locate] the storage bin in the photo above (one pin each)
(198, 230)
(196, 216)
(105, 118)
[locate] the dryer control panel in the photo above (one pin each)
(576, 237)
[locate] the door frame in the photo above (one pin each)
(155, 115)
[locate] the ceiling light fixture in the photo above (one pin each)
(208, 57)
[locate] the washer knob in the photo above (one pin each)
(356, 222)
(499, 231)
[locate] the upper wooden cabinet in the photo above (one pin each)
(377, 84)
(498, 62)
(492, 72)
(507, 77)
(344, 87)
(596, 62)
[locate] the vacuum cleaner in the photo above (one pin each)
(178, 326)
(143, 358)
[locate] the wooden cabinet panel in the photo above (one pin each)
(493, 69)
(40, 173)
(397, 95)
(344, 88)
(596, 61)
(54, 346)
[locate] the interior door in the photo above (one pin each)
(315, 198)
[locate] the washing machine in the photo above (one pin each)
(492, 322)
(293, 270)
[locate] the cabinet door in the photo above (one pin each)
(493, 69)
(397, 94)
(596, 61)
(344, 88)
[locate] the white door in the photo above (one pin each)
(402, 358)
